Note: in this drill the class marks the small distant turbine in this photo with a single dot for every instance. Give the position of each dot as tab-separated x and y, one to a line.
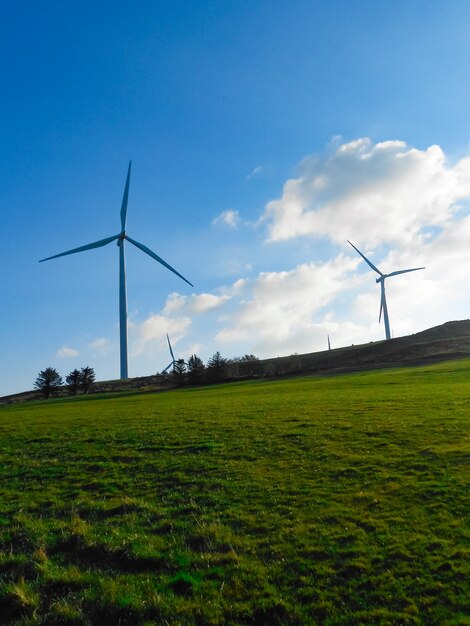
121	238
173	360
381	280
329	344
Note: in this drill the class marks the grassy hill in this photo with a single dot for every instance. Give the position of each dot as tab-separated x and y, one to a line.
447	341
313	500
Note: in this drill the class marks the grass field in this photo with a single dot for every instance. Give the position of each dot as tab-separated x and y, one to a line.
334	501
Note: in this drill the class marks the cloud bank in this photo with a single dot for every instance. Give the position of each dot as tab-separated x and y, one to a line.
402	206
383	193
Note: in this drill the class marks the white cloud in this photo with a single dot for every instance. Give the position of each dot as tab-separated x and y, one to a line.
155	328
175	319
193	348
257	170
100	345
371	194
278	310
65	353
197	303
411	203
229	218
206	301
175	302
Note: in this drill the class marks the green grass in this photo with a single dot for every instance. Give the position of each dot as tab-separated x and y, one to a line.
341	500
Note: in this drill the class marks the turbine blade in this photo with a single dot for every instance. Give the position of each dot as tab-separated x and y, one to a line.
157	258
414	269
366	259
171	351
89	246
381	305
125	198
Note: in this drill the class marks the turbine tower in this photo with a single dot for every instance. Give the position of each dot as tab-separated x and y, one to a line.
121	238
381	280
173	360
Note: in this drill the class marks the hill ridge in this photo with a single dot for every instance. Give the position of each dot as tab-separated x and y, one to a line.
447	341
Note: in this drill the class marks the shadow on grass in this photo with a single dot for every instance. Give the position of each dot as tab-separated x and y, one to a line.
74	550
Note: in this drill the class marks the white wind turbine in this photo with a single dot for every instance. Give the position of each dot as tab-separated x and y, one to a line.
381	280
121	237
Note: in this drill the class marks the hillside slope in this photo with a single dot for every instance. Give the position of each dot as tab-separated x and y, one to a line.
445	342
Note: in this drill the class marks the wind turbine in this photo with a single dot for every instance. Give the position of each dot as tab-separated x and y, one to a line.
173	360
121	238
381	280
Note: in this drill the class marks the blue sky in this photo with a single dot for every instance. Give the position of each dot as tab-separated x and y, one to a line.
263	135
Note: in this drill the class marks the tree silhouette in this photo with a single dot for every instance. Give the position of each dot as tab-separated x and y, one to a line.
48	381
179	372
216	368
248	358
87	378
72	381
195	370
251	365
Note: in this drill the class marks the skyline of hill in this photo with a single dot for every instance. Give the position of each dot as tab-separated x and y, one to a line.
447	341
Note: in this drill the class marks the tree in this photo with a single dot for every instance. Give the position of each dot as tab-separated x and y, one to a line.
195	369
87	378
216	368
179	372
251	365
48	381
72	381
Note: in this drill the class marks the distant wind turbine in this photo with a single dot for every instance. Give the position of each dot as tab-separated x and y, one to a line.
173	360
120	238
381	280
